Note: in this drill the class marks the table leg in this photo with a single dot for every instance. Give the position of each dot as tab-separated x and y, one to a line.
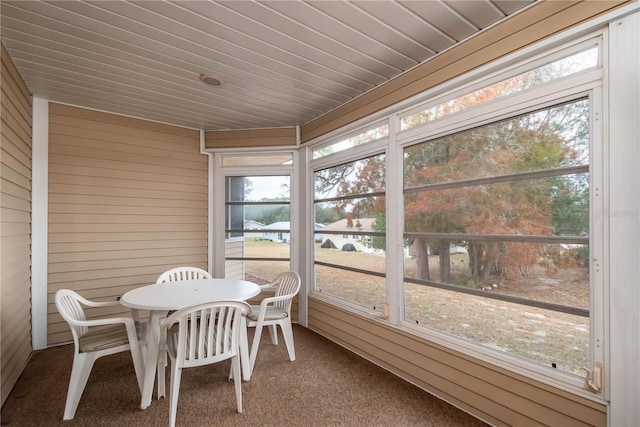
150	366
244	351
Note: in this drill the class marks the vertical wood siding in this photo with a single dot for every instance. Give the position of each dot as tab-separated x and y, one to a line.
127	201
15	224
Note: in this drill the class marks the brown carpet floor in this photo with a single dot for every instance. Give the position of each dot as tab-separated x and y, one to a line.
325	386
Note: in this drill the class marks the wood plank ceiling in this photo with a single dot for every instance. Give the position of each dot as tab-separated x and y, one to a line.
282	63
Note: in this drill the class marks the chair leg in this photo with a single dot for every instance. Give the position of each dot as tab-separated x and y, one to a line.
254	346
162	365
273	331
82	365
287	334
174	389
237	380
138	364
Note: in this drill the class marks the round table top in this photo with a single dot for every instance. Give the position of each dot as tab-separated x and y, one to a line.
185	293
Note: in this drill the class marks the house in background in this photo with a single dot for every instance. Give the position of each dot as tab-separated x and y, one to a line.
102	192
345	227
253	225
279	233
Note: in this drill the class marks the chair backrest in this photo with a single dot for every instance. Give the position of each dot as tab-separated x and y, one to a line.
69	307
183	273
287	284
207	333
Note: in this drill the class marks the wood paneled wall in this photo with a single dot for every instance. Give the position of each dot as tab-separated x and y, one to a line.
127	201
253	138
15	224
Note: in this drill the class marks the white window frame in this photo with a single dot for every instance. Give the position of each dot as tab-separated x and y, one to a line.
589	82
596	250
220	173
371	148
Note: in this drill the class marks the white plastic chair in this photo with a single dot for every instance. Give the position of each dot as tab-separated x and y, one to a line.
174	275
183	273
274	311
93	339
207	333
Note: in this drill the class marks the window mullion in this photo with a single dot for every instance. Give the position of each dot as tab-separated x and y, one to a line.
395	242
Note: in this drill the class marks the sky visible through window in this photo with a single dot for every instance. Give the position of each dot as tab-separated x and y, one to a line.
267	187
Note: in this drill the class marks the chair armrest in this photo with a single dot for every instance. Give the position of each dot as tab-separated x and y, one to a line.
103	322
129	324
90	303
270	300
95	304
268	287
265	302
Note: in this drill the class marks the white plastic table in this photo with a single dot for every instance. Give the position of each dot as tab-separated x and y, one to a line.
161	298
